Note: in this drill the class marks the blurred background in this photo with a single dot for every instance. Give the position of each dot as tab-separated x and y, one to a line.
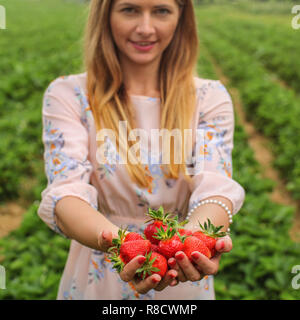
252	47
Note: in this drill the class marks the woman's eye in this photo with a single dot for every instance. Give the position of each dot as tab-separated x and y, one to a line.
126	9
161	11
166	11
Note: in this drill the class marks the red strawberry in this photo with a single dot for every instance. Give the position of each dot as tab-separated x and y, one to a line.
169	247
194	244
133	236
131	249
185	232
160	220
155	263
169	242
154	247
151	229
114	251
209	234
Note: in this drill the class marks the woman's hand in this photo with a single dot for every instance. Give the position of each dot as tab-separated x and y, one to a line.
128	273
152	282
203	266
105	240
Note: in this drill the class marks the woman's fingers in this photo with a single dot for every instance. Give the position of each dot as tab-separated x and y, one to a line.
153	282
207	266
190	272
143	286
224	244
129	274
129	270
166	280
174	283
105	240
174	265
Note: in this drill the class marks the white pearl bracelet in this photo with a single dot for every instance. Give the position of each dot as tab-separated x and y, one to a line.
198	204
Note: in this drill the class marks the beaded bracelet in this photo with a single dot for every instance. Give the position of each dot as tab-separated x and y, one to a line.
198	204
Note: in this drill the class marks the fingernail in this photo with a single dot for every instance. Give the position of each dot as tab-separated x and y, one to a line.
180	256
141	260
104	235
195	255
222	245
173	283
172	275
154	280
172	263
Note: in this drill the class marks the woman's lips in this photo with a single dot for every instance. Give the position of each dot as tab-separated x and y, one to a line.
143	48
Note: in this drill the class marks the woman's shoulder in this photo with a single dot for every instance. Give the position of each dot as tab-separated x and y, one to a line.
69	91
212	88
207	82
65	84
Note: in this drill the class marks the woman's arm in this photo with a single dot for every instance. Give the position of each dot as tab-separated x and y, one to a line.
215	213
218	217
79	221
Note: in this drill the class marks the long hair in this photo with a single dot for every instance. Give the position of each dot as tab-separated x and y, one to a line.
106	92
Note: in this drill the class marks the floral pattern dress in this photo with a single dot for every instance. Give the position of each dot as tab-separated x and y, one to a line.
72	169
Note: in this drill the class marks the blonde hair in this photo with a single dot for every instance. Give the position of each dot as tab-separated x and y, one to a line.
106	93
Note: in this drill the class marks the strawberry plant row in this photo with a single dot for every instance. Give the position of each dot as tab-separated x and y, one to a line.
272	108
275	46
34	51
260	231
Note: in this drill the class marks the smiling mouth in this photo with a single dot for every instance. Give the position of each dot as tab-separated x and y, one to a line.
148	43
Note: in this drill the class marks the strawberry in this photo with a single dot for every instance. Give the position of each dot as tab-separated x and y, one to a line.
123	251
209	234
133	236
114	251
154	247
131	249
185	232
160	220
154	263
151	229
194	244
117	242
169	243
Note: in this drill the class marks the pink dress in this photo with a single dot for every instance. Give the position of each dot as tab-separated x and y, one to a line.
71	167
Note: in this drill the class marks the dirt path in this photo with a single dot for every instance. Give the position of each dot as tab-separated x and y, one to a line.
262	152
11	215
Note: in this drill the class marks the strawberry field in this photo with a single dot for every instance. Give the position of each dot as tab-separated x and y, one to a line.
257	51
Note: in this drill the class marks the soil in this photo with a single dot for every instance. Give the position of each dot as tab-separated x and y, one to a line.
11	215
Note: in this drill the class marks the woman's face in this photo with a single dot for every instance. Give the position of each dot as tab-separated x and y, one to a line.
135	21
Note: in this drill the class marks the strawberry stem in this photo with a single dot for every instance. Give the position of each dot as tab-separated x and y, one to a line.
210	230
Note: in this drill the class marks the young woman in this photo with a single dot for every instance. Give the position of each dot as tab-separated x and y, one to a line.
139	67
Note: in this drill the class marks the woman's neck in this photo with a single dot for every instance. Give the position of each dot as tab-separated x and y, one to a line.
141	79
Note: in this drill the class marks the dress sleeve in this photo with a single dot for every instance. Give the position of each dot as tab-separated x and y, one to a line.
66	140
216	119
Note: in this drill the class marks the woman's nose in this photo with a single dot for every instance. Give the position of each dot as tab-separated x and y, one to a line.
145	25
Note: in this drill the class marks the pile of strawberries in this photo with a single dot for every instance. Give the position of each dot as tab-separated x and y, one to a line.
162	238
